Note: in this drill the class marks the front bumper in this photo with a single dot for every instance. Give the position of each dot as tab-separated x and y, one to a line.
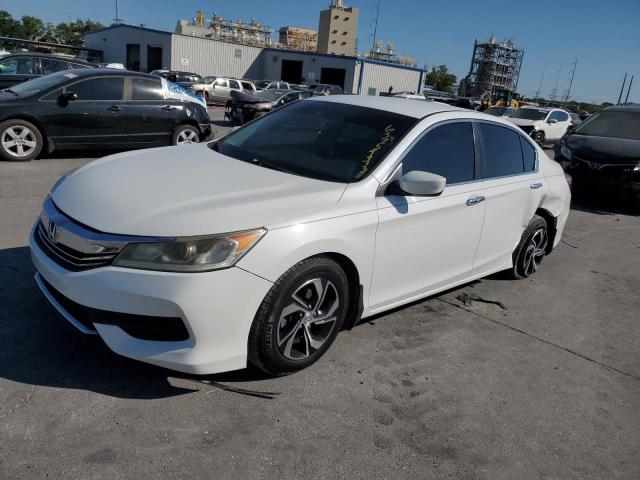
616	179
217	309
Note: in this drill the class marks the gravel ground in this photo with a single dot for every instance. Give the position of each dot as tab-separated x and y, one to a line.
548	388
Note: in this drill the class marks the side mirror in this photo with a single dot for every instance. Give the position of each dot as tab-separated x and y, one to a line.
65	98
422	184
552	120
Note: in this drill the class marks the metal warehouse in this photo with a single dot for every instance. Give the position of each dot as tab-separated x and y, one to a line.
144	49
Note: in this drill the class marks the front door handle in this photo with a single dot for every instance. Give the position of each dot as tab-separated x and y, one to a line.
114	108
535	186
475	200
168	108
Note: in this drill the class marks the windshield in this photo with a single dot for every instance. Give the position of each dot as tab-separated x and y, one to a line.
322	140
41	83
529	114
613	124
497	111
208	79
262	83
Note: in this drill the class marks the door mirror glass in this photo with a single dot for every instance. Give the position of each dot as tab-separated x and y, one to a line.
422	184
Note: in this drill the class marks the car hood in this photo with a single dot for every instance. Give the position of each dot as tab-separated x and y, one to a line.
522	122
604	149
184	191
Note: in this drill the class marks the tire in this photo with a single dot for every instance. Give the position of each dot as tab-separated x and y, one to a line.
539	138
20	141
283	332
531	249
206	97
185	134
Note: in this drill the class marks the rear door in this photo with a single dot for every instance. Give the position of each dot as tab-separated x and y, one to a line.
16	70
150	117
95	118
512	186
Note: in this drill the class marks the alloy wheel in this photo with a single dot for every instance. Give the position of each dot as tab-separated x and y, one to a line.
307	320
187	136
18	141
539	138
534	251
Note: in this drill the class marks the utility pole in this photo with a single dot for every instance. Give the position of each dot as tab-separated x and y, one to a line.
117	20
555	88
537	94
622	89
628	90
374	21
573	72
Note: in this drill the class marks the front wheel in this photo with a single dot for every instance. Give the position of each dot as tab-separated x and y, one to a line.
531	250
539	138
20	141
300	317
185	134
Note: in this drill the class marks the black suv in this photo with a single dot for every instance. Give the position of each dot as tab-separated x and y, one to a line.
20	67
97	108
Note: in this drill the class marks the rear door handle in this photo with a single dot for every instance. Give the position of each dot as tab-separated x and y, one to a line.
475	200
535	186
114	108
168	108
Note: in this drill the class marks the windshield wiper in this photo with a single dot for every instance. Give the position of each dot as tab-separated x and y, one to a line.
260	163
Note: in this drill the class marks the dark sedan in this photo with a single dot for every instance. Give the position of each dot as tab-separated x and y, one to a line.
21	67
243	108
603	152
97	108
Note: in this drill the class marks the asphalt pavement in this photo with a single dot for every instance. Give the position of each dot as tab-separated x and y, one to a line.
546	388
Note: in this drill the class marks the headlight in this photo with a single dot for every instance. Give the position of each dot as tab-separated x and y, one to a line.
564	150
190	254
637	167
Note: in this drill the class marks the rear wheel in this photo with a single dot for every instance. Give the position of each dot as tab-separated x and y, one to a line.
300	317
531	250
185	134
20	141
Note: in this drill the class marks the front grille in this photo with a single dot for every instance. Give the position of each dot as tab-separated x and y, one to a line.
67	257
143	327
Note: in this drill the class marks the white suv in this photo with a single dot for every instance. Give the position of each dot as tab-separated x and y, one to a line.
218	89
544	125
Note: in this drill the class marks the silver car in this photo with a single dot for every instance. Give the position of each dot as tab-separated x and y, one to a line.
218	89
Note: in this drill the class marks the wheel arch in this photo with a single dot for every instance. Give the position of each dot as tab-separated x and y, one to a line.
552	226
46	147
356	298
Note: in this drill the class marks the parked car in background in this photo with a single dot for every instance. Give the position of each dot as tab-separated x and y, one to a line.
262	246
97	108
544	125
326	89
409	95
271	85
21	67
218	89
499	111
184	79
575	119
243	108
603	152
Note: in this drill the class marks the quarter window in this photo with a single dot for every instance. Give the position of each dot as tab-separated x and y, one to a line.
146	89
106	88
502	151
447	151
529	155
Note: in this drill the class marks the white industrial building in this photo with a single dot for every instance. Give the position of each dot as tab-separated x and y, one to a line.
144	49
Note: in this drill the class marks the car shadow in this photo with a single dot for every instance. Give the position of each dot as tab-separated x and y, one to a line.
603	204
39	348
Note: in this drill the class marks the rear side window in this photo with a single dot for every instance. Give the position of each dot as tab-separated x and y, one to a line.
528	154
146	89
502	151
447	151
107	88
51	65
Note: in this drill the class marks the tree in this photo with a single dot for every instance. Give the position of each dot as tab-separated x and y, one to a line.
9	27
71	33
31	28
440	79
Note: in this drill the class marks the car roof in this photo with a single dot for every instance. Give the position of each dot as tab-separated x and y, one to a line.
90	72
48	55
402	106
624	108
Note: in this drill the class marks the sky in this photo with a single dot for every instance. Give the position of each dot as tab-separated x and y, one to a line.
603	36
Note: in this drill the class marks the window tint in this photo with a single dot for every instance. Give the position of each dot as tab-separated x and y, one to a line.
559	116
18	66
233	84
612	124
502	150
50	65
146	89
529	155
446	150
108	88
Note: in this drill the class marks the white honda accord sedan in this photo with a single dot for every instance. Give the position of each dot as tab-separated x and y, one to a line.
260	247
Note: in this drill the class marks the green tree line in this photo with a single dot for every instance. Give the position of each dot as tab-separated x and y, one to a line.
32	28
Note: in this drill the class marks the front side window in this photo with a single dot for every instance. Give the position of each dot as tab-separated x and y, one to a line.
146	89
18	66
322	140
105	88
502	151
234	85
220	82
51	65
559	116
446	150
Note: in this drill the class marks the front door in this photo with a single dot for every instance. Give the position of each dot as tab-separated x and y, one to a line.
94	119
427	243
556	130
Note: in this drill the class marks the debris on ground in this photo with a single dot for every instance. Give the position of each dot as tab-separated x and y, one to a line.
468	298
